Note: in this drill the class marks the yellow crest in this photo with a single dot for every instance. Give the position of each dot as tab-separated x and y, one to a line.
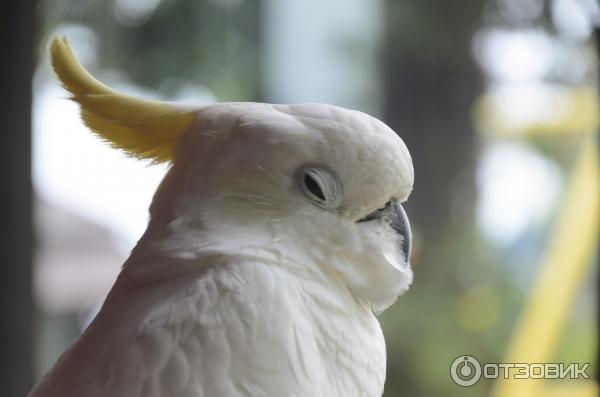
144	129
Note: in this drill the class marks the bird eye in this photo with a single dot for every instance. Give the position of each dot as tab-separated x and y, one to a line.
321	186
313	186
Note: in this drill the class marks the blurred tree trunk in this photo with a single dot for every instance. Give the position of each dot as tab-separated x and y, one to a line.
16	30
430	84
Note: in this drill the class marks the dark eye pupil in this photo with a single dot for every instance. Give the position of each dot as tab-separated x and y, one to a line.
313	186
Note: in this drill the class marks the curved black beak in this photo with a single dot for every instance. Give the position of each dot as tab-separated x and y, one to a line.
396	217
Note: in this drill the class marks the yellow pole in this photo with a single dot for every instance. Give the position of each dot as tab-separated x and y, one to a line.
565	263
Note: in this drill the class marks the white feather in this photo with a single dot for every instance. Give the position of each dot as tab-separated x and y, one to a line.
242	287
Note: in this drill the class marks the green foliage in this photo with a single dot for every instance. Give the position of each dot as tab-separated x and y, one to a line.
204	42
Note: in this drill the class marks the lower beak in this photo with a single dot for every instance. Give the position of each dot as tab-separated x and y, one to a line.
395	216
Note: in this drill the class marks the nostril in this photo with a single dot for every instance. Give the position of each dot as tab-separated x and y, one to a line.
378	213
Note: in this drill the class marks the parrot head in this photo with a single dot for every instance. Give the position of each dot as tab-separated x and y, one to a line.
308	184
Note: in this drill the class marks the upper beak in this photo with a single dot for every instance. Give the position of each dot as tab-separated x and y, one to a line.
395	216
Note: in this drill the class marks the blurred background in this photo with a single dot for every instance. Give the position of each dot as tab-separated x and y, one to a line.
496	99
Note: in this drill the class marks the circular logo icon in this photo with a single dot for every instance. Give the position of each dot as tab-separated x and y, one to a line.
465	370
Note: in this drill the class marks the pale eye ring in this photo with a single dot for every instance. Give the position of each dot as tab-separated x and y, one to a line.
321	186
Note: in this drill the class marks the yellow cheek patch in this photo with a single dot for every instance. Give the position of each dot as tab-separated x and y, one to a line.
143	129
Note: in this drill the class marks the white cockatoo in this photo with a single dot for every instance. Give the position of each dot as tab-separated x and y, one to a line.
274	239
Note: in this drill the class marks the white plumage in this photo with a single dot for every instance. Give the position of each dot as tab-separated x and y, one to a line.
246	283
